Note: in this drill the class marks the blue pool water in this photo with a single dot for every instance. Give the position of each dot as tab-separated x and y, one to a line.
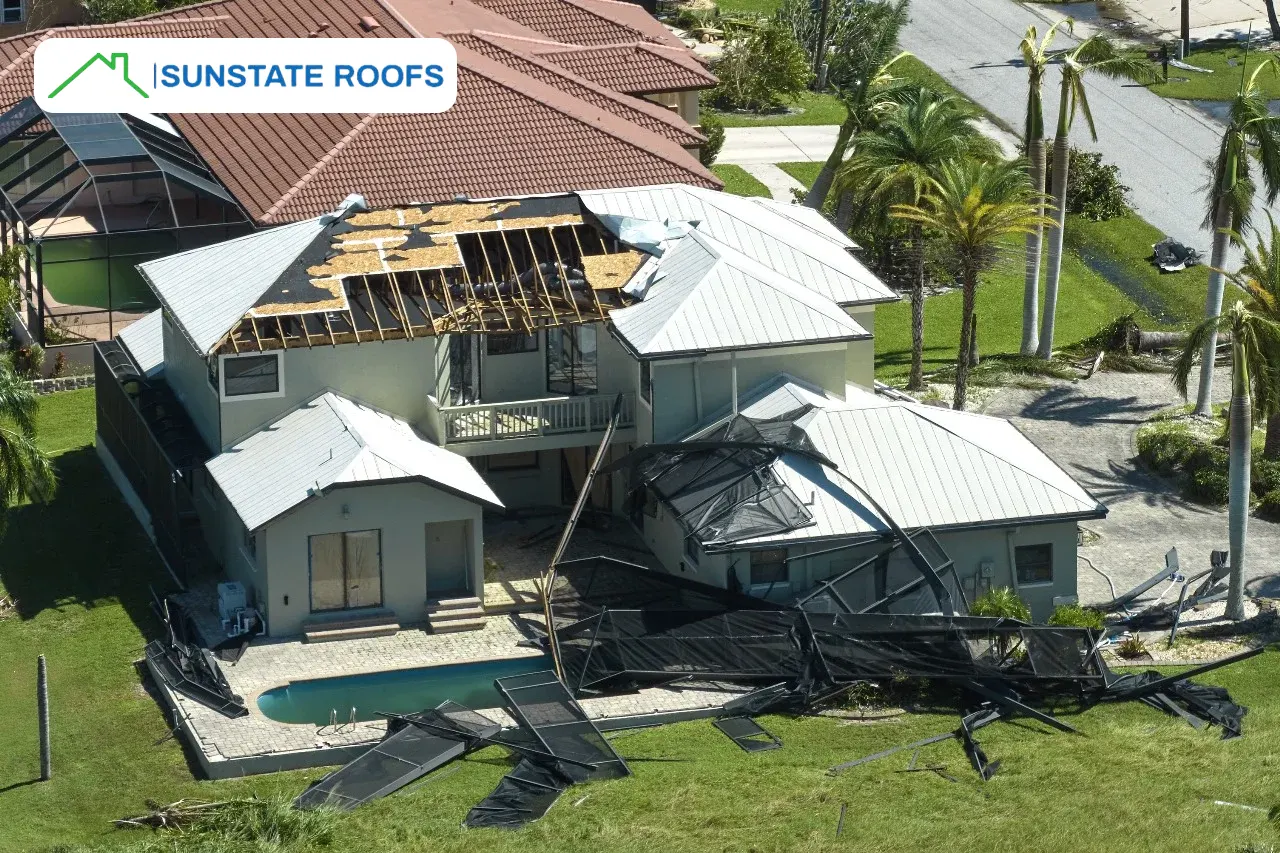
400	692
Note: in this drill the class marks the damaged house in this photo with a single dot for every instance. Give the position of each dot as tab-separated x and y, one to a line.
335	420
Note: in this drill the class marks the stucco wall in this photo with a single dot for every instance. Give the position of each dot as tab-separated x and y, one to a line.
523	488
188	375
860	359
400	510
395	376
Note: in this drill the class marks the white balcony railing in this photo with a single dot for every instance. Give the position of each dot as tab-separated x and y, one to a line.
531	418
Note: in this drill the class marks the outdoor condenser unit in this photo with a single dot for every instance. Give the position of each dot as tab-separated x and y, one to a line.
231	598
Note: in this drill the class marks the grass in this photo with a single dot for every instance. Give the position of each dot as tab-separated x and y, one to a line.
739	182
809	108
805	173
1223	83
79	569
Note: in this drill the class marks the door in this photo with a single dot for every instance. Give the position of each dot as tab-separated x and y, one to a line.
346	570
448	559
571	360
574	462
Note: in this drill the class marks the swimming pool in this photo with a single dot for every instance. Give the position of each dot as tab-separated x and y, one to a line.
399	692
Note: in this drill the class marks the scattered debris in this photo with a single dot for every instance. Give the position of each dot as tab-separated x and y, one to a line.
177	815
192	671
748	734
1172	256
1240	806
8	606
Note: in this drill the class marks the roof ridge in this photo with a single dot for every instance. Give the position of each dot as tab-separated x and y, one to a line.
513	37
916	411
640	105
780	283
617	23
315	170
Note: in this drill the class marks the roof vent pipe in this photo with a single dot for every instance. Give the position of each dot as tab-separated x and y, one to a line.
324	25
369	23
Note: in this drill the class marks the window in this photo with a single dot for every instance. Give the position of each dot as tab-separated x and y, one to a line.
508	344
646	382
213	373
346	570
251	376
571	360
250	543
769	567
12	10
1034	563
513	461
692	550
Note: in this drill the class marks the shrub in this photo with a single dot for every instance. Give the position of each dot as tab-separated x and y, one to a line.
1209	485
1166	447
1266	475
1269	506
713	130
113	11
1094	190
1131	647
28	360
760	71
1003	602
1075	616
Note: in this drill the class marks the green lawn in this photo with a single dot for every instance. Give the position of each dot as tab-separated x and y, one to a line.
805	173
79	569
811	108
1226	63
739	182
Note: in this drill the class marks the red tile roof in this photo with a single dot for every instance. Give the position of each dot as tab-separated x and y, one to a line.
647	114
637	69
520	126
578	22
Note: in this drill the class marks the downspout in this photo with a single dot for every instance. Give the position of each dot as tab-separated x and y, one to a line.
733	379
697	390
1013	563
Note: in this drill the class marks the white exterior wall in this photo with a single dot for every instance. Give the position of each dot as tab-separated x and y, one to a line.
860	360
187	374
401	511
394	376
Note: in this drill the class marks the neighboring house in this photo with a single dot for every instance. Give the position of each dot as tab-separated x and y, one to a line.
21	16
355	391
553	96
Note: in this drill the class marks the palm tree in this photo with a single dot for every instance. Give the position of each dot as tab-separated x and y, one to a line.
1255	387
973	205
864	47
1252	134
1259	278
1099	55
25	472
1036	56
898	163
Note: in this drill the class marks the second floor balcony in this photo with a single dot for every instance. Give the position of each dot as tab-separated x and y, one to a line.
518	425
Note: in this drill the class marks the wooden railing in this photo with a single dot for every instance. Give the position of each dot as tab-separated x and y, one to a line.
531	418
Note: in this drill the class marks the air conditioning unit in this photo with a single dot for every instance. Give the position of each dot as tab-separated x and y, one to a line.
231	598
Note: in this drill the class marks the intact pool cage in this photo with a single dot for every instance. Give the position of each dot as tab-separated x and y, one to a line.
89	196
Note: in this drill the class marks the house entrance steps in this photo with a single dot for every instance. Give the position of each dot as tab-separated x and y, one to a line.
455	614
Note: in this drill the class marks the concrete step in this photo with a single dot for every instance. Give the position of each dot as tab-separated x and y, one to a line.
349	631
448	626
451	606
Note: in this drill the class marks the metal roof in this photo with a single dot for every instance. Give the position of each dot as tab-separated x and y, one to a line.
926	467
330	441
707	297
206	291
144	339
800	250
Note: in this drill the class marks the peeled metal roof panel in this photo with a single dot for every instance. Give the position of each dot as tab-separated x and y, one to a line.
333	440
144	339
208	290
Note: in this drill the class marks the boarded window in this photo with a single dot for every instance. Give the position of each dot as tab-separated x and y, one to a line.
250	374
1034	563
346	570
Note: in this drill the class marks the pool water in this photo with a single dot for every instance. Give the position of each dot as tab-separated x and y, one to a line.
398	692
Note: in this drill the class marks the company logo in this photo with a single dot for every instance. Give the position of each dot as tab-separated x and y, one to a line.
246	75
118	61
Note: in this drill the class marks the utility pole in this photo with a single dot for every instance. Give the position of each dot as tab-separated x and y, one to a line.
42	701
820	50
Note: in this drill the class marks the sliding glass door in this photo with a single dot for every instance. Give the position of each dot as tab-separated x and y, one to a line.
346	570
571	360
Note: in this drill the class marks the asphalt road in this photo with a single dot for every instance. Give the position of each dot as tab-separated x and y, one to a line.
1161	146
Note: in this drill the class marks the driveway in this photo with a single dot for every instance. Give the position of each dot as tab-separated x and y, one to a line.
744	146
1088	428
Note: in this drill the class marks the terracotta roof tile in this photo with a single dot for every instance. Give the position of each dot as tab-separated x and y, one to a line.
572	22
647	114
637	69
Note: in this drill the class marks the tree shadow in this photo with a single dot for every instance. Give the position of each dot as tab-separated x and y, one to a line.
84	548
1119	482
1066	404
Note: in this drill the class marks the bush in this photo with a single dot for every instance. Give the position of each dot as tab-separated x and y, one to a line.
1266	475
762	70
113	11
1131	647
1166	448
1075	616
28	360
713	130
1094	190
1003	602
1209	485
1269	506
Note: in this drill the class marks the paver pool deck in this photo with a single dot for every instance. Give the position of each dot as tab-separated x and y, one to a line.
257	744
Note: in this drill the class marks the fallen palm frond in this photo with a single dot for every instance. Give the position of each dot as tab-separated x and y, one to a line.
1012	370
179	815
271	821
8	606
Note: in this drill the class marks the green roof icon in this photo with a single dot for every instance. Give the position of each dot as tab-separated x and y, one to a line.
120	60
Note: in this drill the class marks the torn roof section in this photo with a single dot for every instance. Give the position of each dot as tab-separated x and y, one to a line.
334	441
794	245
517	265
925	467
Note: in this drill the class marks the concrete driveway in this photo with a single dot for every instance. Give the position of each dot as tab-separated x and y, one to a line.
744	146
1088	428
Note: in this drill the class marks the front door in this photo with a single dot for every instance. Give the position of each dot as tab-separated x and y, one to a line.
448	559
